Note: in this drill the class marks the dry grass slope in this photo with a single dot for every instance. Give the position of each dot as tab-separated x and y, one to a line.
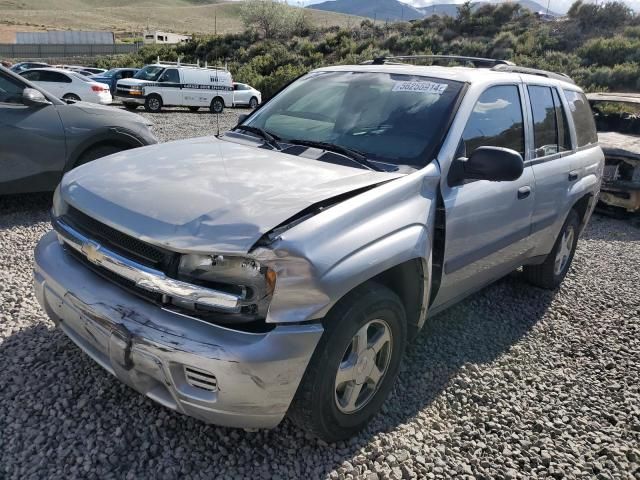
188	16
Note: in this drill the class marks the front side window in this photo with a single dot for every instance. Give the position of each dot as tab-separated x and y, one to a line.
171	75
582	118
545	128
496	121
31	75
150	72
392	118
10	90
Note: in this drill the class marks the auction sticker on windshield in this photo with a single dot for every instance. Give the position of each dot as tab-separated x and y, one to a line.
425	86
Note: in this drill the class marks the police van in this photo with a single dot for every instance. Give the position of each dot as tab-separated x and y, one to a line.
177	84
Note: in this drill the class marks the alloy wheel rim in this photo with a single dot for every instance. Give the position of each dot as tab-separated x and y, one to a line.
564	252
363	366
154	104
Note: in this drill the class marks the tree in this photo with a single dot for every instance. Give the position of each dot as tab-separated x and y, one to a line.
270	17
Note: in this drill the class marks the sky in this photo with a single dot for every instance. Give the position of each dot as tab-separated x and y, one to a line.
555	5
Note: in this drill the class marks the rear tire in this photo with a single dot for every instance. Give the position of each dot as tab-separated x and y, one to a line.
153	103
217	105
131	106
551	272
72	97
348	379
193	109
98	151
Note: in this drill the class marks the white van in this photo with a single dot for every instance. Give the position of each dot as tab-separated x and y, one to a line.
177	84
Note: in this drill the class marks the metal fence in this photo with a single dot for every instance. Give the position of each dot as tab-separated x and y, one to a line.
42	51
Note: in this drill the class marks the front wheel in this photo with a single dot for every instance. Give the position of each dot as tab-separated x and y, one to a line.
217	105
354	366
253	103
153	104
552	271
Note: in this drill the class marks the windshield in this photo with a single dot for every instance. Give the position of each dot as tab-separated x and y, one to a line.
150	72
397	119
109	73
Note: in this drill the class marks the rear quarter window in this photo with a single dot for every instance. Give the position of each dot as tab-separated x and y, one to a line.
582	118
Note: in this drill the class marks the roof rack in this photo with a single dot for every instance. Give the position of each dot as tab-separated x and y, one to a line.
533	71
180	64
477	62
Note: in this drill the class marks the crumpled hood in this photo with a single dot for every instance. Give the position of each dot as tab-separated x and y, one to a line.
205	194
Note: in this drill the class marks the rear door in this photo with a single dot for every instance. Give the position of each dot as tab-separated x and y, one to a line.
488	223
57	83
550	159
241	94
32	142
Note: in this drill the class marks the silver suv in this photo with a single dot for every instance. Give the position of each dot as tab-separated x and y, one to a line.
282	267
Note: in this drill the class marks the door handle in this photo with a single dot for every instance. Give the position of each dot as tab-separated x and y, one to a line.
524	192
573	176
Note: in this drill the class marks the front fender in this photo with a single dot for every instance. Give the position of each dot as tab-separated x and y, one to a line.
322	259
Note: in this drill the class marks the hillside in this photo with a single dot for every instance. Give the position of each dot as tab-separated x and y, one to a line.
181	16
451	10
391	10
394	10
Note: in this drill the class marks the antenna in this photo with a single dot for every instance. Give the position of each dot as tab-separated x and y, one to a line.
218	123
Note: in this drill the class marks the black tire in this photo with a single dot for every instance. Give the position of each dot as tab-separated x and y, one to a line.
253	103
98	151
153	103
217	105
547	275
194	109
315	407
131	106
71	96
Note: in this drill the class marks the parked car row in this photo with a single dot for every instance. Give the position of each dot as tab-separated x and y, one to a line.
155	86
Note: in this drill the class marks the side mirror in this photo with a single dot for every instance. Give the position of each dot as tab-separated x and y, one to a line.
242	117
495	164
34	98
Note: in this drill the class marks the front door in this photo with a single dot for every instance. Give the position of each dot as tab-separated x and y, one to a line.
487	223
32	142
171	87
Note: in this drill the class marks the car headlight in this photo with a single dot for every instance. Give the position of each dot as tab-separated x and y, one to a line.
252	282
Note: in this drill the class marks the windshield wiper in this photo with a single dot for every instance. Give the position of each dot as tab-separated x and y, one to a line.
269	139
347	152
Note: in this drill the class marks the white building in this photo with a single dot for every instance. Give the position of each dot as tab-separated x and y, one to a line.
165	37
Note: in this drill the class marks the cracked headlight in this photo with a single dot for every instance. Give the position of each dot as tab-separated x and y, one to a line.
252	282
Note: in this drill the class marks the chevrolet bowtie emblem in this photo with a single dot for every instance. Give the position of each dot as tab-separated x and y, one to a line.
91	250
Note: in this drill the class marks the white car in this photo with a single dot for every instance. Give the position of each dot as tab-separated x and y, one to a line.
69	85
244	94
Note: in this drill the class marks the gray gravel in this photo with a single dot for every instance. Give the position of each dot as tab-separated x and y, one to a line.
515	382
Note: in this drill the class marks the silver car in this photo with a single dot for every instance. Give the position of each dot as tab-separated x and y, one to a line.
281	268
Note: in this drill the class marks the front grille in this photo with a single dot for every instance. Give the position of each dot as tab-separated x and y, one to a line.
200	379
116	279
137	250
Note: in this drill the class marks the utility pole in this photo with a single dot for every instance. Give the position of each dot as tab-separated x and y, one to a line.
215	23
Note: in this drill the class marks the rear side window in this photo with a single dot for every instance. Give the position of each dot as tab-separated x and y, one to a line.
10	90
545	128
582	118
55	77
564	136
496	121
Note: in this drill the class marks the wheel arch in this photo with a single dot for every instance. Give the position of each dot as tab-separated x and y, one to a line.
114	136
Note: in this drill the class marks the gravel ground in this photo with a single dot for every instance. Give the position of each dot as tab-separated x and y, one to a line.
515	382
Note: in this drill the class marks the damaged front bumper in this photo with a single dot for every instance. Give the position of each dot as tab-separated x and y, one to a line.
219	375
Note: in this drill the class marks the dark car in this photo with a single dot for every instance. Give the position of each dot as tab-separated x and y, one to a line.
42	137
22	66
112	76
